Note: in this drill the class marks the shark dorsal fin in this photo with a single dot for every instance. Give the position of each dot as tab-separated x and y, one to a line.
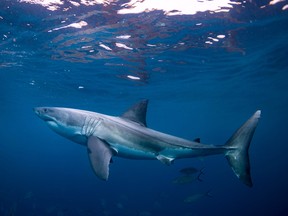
137	113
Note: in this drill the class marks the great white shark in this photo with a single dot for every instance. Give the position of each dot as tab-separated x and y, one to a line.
128	136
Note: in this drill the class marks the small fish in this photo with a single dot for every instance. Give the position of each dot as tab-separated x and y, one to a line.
186	179
189	176
196	197
190	170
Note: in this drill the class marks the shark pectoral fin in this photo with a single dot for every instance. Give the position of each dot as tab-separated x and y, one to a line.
100	156
165	160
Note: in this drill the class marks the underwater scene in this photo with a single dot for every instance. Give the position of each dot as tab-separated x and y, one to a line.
143	107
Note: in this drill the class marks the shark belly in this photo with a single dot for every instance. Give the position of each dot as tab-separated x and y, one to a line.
132	153
180	152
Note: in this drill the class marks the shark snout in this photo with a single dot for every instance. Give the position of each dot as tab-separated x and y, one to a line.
38	111
42	112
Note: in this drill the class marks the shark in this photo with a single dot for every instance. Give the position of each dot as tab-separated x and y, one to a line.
128	136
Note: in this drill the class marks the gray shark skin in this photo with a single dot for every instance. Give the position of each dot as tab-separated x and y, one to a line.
128	136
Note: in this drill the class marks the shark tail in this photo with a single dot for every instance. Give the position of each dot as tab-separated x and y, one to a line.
238	147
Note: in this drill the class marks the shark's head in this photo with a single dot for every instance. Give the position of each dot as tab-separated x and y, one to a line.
64	121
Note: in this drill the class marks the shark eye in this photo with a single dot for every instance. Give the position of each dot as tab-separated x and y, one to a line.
45	110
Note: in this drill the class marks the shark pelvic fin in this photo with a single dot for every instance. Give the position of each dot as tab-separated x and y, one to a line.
165	160
100	156
137	113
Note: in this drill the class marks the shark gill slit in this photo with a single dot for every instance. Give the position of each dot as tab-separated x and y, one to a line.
90	124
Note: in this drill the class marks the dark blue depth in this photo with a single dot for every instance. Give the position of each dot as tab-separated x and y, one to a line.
199	84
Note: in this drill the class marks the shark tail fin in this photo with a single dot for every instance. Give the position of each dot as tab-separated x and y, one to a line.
238	145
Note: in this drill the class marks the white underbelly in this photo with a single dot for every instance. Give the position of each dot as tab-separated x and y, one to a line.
128	152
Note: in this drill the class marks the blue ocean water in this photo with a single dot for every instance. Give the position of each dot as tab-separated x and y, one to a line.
205	66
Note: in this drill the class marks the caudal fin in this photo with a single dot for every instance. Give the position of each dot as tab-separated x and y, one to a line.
239	143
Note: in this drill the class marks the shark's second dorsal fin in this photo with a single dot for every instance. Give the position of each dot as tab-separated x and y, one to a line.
137	113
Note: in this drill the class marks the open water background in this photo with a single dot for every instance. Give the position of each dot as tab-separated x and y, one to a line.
199	84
